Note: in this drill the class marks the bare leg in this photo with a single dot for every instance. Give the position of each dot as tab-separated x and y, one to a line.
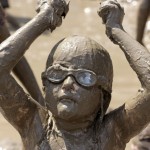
143	13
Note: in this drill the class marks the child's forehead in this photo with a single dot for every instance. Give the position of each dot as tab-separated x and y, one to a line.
73	54
65	64
79	58
74	62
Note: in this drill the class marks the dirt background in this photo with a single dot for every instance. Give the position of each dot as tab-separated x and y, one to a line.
82	19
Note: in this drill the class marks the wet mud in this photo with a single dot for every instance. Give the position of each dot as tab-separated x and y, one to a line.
82	19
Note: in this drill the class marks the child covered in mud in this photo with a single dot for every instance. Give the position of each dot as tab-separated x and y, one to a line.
77	84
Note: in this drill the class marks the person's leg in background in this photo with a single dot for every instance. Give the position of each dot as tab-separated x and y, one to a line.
143	14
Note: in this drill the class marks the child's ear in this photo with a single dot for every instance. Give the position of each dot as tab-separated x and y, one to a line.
43	77
43	88
107	99
45	83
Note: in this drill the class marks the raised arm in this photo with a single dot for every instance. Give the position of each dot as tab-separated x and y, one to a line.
49	17
22	69
136	112
15	105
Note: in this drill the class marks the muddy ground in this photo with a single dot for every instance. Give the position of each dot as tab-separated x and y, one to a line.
82	19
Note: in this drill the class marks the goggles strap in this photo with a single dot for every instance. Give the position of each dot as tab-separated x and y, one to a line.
99	119
39	106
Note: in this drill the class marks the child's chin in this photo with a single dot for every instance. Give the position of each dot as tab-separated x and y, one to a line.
66	110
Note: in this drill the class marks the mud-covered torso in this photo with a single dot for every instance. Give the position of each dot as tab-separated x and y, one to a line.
72	141
103	138
83	142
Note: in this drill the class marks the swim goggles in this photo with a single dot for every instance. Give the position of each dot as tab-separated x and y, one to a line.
58	73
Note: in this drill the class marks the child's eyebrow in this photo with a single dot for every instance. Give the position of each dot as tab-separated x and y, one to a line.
63	64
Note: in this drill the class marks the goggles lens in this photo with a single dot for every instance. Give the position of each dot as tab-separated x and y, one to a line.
56	75
86	78
82	76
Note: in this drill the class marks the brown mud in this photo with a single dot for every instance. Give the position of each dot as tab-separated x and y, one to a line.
82	19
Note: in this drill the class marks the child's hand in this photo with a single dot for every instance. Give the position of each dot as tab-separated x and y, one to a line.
56	9
111	13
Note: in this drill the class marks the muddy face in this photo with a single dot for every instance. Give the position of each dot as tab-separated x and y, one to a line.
69	100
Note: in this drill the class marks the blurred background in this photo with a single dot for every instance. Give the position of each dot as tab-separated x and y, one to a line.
82	19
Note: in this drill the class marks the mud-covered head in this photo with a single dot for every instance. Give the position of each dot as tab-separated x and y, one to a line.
85	53
91	55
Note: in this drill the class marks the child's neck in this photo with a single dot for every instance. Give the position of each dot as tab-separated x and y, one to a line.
74	125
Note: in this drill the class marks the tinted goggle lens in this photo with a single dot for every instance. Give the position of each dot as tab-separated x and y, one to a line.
83	77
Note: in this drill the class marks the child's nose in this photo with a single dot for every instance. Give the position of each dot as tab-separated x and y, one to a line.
68	83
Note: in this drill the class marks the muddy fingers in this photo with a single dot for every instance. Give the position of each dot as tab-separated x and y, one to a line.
111	13
57	10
